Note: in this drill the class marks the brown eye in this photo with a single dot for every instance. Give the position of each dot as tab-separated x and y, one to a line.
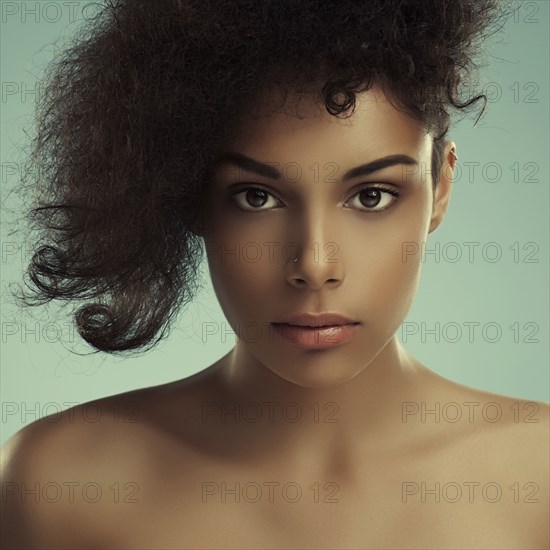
370	197
376	199
256	197
251	198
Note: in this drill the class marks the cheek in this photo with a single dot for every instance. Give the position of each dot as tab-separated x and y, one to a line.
246	256
385	272
245	273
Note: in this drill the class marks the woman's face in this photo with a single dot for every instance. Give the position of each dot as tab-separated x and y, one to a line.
354	246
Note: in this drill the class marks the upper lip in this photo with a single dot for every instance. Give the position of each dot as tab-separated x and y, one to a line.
316	319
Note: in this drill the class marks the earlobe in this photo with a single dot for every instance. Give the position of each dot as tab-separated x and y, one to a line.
444	187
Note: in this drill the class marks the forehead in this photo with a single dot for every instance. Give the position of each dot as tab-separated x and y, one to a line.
302	127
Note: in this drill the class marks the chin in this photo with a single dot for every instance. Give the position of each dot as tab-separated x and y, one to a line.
317	375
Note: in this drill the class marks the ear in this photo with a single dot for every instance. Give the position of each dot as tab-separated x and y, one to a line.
444	186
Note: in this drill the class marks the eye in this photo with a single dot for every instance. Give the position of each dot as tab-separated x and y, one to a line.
253	198
374	199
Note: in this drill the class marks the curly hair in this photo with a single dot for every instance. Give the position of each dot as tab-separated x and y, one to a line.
136	110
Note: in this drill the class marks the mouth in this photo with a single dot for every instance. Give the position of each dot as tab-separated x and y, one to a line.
316	337
316	320
316	327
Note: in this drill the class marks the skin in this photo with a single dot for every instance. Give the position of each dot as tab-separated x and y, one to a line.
356	444
358	269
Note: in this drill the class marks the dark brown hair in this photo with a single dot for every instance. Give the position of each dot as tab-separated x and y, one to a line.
135	111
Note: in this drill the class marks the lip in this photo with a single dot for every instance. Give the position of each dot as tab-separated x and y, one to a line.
316	320
316	337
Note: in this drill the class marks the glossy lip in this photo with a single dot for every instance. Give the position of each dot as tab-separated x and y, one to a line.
316	337
316	320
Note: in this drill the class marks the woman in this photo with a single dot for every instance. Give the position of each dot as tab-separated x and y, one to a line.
304	144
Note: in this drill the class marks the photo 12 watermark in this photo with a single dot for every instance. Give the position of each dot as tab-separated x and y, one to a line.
452	492
47	12
53	492
270	412
70	412
453	412
251	492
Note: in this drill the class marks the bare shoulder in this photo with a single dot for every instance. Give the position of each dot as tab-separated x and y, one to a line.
51	469
88	464
511	426
519	452
522	422
109	428
503	443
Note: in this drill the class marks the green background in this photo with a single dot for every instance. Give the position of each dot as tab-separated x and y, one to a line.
500	197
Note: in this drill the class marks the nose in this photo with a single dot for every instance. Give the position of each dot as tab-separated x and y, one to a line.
315	261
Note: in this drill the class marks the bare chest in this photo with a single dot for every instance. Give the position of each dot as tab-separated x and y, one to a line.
219	509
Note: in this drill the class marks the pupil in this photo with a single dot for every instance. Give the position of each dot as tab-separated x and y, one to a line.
253	196
373	197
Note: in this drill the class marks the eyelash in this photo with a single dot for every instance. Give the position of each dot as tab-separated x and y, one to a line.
390	190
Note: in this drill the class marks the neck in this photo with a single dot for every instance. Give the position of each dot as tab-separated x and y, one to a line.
301	425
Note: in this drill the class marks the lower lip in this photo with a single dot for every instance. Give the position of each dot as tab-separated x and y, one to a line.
316	338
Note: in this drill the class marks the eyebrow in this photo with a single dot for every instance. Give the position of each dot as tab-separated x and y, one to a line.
251	165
